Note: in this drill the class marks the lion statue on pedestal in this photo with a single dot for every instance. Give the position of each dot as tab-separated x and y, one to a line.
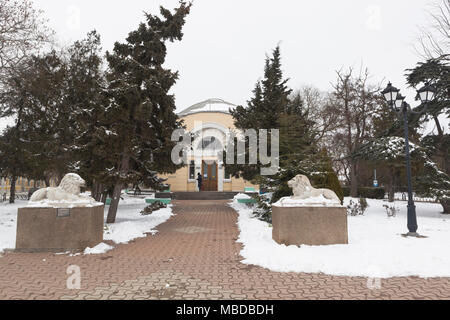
302	188
68	191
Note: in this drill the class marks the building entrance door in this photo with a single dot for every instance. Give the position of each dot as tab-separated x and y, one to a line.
209	174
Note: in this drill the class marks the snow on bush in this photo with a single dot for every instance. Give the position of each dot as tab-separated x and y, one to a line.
241	196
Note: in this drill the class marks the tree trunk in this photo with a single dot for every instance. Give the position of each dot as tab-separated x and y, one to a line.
12	191
391	193
100	192
112	212
353	181
103	197
391	189
446	205
96	191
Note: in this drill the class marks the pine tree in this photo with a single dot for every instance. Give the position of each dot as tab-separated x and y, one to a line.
13	158
270	100
58	98
326	177
431	181
85	94
437	72
434	183
32	95
274	107
389	154
141	113
246	117
48	116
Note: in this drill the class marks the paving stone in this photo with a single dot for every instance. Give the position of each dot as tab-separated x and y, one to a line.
193	256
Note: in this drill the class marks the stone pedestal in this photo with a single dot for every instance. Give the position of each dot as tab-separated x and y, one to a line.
59	230
312	226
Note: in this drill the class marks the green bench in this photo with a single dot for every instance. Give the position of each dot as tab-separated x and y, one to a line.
247	201
165	201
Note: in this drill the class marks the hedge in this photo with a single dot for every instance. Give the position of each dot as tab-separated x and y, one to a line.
366	192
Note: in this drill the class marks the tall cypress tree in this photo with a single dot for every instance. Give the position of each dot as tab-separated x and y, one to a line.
141	113
274	107
85	94
270	100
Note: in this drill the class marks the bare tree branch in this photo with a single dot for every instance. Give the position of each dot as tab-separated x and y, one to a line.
23	31
434	39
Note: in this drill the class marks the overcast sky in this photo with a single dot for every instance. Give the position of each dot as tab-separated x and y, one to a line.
222	53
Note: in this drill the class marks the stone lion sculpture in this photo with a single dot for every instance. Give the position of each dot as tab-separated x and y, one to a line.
303	189
68	191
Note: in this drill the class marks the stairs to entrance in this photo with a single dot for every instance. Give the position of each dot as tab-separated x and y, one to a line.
207	195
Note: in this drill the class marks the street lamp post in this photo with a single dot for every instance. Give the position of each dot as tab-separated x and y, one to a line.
398	104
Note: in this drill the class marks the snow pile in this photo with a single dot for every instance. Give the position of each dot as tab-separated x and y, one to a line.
98	249
319	201
131	225
241	196
376	247
84	203
129	200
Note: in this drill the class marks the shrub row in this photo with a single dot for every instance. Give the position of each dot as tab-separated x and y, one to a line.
366	192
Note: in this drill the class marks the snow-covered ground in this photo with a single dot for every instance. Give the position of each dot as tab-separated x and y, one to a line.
130	224
376	247
8	223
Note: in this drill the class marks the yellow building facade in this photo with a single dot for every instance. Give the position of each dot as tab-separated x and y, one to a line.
22	185
209	121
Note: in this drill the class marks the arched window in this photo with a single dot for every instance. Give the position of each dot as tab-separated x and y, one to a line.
210	143
192	170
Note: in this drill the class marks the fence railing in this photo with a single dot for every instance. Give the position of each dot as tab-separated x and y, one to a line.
19	196
403	196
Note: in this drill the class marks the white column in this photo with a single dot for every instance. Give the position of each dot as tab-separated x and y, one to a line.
220	176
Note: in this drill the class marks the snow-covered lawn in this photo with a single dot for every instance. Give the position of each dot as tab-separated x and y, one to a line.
376	247
8	223
130	224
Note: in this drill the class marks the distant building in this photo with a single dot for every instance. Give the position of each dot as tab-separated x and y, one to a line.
23	185
210	120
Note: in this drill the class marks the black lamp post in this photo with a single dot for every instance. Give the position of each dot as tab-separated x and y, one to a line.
398	104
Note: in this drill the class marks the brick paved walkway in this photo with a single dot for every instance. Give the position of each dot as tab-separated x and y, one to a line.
194	256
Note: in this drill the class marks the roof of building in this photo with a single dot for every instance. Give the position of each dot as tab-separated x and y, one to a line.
210	105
